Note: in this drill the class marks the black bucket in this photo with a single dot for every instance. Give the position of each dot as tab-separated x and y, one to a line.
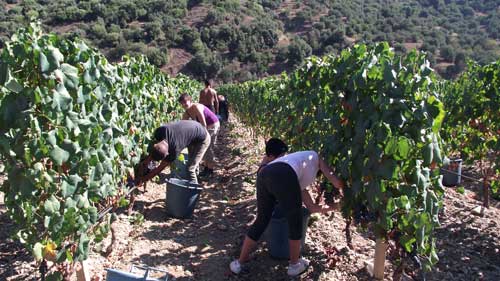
182	197
452	173
277	233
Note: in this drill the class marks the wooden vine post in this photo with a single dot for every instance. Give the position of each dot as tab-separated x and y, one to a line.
486	193
82	271
379	262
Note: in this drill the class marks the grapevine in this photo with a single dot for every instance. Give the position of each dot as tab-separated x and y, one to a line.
71	126
375	117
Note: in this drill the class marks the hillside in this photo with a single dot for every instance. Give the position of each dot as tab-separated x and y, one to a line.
239	40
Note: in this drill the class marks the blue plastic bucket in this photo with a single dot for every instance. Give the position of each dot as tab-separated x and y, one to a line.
277	236
452	179
118	275
182	197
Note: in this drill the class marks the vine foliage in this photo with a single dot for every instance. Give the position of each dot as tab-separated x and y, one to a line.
71	126
376	118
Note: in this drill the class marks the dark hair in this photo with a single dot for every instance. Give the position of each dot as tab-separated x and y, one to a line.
184	97
275	147
159	151
208	83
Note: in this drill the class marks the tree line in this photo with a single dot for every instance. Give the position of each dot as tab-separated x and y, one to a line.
229	40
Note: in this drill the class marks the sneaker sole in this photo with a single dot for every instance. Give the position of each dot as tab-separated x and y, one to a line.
303	271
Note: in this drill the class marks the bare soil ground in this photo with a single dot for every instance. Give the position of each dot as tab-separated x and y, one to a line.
196	15
177	59
410	46
200	248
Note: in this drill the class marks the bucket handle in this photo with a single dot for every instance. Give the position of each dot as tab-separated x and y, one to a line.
147	269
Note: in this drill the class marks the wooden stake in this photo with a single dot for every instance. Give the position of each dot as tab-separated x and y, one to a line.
379	263
486	193
82	271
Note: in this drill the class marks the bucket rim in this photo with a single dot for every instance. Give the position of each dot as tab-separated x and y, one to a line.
188	185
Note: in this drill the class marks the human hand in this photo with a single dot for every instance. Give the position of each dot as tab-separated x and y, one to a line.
138	181
340	185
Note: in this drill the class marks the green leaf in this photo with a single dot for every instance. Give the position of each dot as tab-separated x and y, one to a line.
407	242
59	155
51	205
44	63
69	203
83	247
37	251
391	206
71	74
54	276
403	202
55	57
403	147
387	169
61	98
392	146
427	151
69	256
67	189
14	86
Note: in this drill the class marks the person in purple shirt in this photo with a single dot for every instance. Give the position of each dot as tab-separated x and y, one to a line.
202	114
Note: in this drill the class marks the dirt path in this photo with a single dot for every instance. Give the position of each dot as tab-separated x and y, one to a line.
201	248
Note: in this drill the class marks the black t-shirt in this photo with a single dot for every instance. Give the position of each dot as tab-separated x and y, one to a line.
179	135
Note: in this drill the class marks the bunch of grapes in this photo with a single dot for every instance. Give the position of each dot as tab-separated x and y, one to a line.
329	192
362	215
332	256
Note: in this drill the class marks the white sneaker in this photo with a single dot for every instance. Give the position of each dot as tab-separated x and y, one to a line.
298	268
235	267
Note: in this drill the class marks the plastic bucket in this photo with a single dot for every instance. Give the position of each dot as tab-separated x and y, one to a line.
452	179
182	197
277	236
118	275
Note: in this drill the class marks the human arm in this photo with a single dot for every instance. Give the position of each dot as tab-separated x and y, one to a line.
313	207
328	172
216	101
153	173
185	115
199	114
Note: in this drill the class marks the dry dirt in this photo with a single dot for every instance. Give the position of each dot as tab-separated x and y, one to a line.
201	248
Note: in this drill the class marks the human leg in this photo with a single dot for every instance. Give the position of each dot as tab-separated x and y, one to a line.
196	153
288	194
265	206
209	157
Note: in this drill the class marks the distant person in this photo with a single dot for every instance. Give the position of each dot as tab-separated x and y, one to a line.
200	113
170	139
284	181
223	108
208	97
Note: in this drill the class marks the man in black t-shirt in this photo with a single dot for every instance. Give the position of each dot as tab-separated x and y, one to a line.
171	139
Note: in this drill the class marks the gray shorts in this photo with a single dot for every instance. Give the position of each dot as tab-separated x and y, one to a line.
214	131
195	155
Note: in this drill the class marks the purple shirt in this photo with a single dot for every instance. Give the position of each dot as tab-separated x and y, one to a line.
210	117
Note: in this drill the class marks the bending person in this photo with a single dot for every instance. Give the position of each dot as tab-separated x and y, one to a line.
285	180
203	115
223	108
171	139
